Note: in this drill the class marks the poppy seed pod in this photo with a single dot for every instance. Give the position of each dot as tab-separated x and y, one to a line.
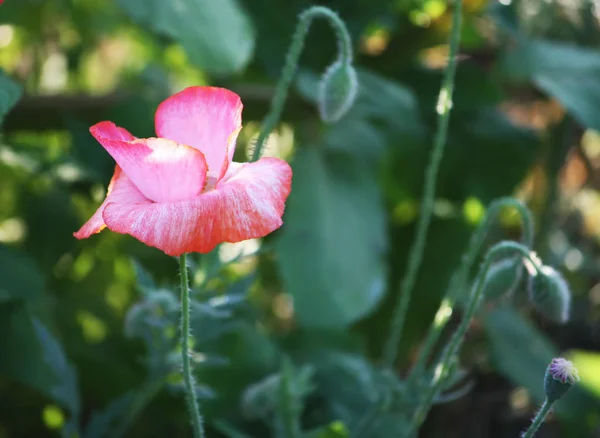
502	278
550	295
560	376
337	91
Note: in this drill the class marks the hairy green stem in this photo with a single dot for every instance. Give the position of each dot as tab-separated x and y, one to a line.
443	108
291	62
460	278
188	378
539	419
498	250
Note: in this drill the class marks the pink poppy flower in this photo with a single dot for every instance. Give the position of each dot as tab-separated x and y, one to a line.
181	192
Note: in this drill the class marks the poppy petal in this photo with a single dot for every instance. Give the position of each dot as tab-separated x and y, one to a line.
120	190
248	203
207	118
163	170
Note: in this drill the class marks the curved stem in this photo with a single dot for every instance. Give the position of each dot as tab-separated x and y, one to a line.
188	378
539	419
459	279
291	62
443	107
498	250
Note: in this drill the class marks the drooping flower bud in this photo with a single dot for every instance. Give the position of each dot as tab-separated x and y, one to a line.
560	376
337	91
502	278
550	295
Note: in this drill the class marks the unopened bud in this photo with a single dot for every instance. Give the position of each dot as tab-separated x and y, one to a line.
337	91
550	295
502	278
560	376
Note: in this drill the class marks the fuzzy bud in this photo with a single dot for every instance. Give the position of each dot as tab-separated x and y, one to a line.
560	376
502	278
550	295
337	91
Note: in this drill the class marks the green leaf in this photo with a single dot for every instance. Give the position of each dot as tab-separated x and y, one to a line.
522	353
217	36
20	278
66	391
10	93
568	73
331	249
34	357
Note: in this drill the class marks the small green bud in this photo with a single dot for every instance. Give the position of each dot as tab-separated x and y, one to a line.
560	376
503	277
337	91
550	295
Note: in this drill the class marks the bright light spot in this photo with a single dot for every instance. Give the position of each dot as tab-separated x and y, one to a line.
94	329
573	259
519	399
590	143
439	371
435	8
443	208
229	252
473	210
594	294
7	32
375	41
419	18
505	2
558	242
405	212
283	306
587	364
68	172
54	75
12	230
53	417
444	101
443	314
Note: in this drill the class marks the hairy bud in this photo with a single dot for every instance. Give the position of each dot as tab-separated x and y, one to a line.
503	277
550	295
337	91
560	376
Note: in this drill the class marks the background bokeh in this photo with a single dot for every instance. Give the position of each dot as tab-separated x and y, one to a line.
88	328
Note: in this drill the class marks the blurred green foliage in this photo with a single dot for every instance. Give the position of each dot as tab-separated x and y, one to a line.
88	342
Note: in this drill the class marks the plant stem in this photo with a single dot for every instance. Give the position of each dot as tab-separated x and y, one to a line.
453	346
460	278
291	62
539	419
188	378
443	108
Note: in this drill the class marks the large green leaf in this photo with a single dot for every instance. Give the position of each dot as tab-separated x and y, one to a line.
217	36
568	73
10	93
31	355
20	278
522	353
332	246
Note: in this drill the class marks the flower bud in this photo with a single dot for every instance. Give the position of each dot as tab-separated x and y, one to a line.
337	91
550	295
560	376
502	278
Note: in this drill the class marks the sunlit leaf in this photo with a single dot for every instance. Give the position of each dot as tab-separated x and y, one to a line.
217	36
